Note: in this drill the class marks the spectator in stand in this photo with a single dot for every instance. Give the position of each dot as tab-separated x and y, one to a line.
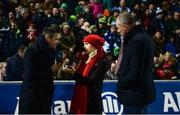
176	22
86	26
63	73
47	5
79	9
77	28
138	8
67	42
102	26
4	35
32	34
159	41
2	70
93	29
55	18
38	17
113	16
167	67
123	7
11	16
23	22
80	34
170	23
156	66
72	20
177	42
88	15
136	15
170	46
176	29
97	8
15	38
72	4
110	75
151	10
47	13
158	23
112	37
15	68
64	12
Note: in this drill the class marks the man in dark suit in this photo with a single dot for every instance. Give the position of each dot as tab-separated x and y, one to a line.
39	66
135	87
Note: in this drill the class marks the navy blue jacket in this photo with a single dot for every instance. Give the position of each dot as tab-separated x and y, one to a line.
135	85
14	68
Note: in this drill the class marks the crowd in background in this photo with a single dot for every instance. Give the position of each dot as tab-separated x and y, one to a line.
22	21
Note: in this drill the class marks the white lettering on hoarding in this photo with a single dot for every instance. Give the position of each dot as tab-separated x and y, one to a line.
17	107
60	107
170	103
178	98
110	105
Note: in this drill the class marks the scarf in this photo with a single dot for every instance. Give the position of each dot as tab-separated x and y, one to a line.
80	97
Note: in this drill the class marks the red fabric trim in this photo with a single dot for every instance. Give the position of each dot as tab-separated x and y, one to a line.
79	100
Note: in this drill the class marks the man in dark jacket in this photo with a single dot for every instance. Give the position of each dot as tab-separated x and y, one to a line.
135	87
37	88
14	68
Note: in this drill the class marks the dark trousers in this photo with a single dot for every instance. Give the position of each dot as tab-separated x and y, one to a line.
31	103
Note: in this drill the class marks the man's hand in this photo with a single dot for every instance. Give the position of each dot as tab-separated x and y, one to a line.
69	69
55	67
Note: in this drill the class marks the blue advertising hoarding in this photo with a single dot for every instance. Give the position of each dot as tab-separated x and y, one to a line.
167	97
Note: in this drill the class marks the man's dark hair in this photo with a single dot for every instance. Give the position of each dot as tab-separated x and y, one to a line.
51	30
21	47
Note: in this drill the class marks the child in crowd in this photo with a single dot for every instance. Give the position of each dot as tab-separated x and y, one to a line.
165	66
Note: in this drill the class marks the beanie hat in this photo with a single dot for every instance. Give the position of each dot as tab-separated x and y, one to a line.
116	51
73	18
158	11
106	13
92	27
64	6
113	24
103	20
95	40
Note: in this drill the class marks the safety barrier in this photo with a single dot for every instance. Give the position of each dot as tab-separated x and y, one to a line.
167	97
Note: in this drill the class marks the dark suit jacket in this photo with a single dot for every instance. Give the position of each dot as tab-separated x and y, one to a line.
37	87
135	81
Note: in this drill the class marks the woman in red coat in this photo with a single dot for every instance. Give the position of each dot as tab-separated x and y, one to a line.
89	77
